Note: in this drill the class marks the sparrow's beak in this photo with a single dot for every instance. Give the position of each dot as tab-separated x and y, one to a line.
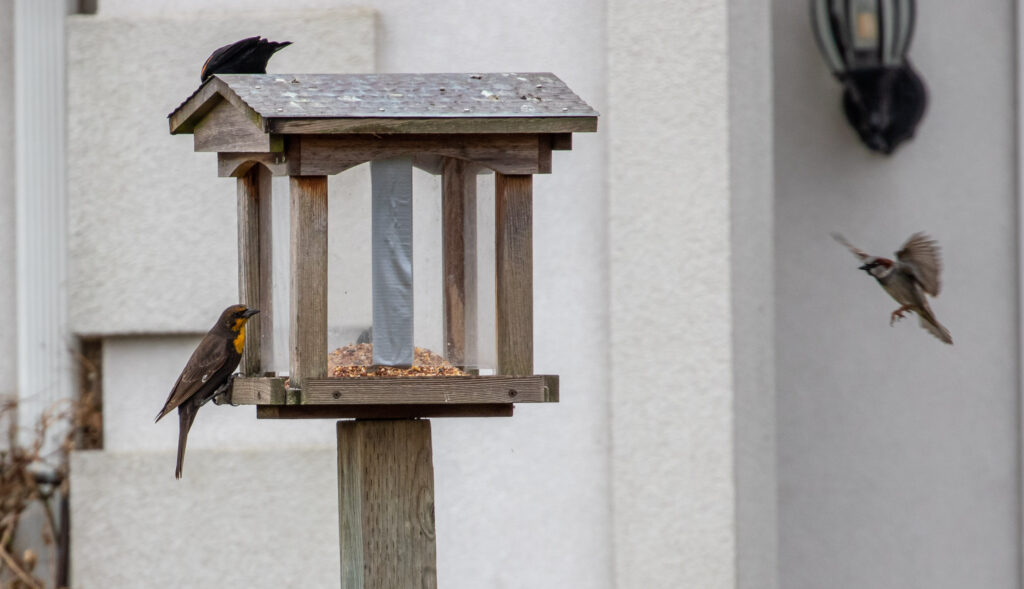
864	268
250	312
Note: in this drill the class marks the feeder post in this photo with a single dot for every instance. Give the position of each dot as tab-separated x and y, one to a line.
308	279
255	268
458	229
386	504
513	248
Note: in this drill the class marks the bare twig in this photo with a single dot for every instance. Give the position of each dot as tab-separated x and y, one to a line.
12	564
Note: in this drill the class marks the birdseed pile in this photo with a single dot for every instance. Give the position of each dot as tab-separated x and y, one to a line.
355	360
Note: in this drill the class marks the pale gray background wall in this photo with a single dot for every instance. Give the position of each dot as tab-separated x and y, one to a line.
8	340
898	455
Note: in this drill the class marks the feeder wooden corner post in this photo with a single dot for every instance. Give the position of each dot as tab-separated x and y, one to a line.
310	126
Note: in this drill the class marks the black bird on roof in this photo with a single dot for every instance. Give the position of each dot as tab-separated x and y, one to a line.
248	56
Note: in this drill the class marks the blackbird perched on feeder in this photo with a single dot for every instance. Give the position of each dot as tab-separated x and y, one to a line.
207	372
248	56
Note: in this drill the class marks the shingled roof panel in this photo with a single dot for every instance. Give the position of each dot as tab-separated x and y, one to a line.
407	95
309	97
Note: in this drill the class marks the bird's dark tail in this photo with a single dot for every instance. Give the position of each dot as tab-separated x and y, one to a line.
186	415
278	45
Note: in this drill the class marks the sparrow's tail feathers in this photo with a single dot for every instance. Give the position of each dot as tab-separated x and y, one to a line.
186	415
929	322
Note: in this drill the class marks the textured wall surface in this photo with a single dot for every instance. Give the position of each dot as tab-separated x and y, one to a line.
669	218
152	246
522	502
899	455
138	373
8	323
230	522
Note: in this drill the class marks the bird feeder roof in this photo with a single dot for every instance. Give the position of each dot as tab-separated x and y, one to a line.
393	103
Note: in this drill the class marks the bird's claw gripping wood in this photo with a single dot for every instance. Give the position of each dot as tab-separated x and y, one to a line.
898	314
222	395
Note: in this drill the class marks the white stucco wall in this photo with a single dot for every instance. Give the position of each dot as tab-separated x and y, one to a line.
8	323
226	524
899	455
539	480
689	214
153	230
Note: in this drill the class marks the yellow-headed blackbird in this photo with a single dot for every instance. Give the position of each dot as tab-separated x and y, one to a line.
207	372
248	56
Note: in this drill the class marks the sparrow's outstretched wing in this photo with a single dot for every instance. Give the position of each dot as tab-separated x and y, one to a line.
920	254
861	254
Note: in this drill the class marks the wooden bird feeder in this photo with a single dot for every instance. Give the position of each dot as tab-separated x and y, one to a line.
308	127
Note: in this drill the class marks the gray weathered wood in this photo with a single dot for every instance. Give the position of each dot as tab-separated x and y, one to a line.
437	125
520	153
514	273
332	154
227	128
386	505
249	266
426	390
190	113
391	241
236	165
308	278
254	268
382	411
258	390
417	99
561	141
266	267
419	390
458	228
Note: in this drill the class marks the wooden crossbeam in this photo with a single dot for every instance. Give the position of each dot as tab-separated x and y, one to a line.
418	390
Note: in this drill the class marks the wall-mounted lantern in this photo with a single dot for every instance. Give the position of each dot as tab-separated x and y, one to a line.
865	44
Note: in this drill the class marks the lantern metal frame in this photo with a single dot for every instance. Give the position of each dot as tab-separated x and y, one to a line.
864	44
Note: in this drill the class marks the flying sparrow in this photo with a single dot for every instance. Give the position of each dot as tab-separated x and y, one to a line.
914	273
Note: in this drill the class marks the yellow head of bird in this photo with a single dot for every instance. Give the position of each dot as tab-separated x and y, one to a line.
234	318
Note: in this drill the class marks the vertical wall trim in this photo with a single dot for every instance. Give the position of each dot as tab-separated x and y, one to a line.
1019	69
752	260
44	360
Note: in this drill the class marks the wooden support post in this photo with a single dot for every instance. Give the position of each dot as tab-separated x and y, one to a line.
386	504
513	248
308	278
255	268
458	228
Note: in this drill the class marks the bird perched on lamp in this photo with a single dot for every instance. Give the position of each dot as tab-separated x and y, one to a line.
248	56
907	279
208	372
